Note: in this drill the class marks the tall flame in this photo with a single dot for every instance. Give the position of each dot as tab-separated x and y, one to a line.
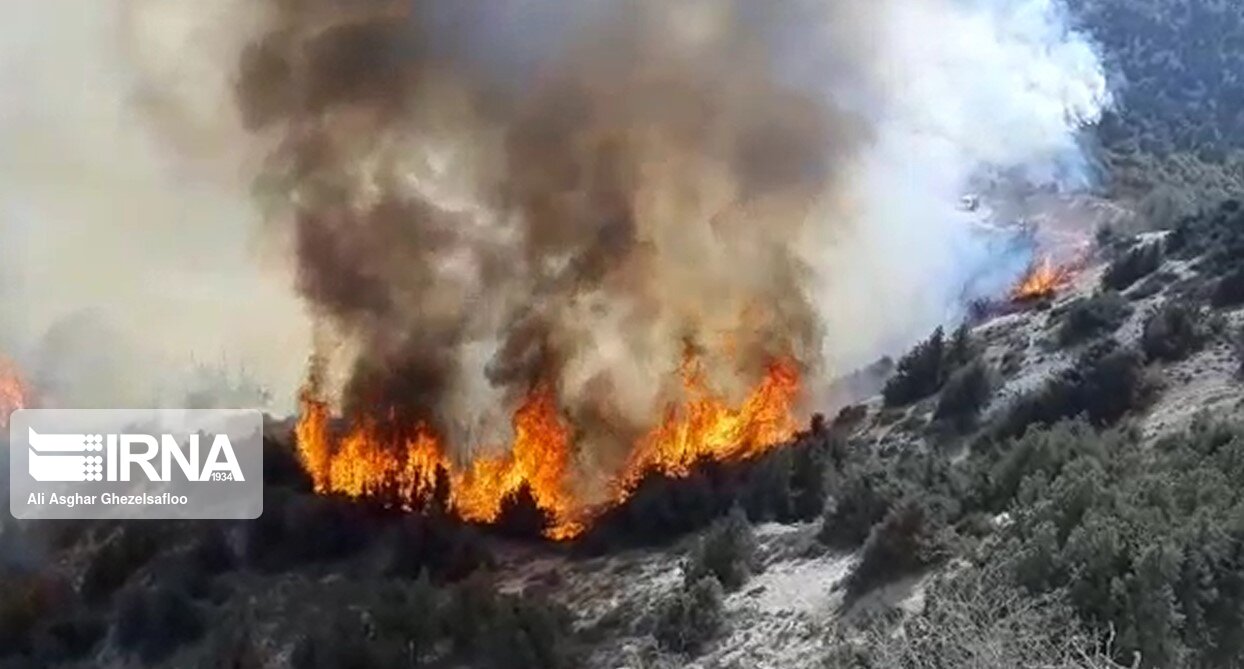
12	391
705	428
367	462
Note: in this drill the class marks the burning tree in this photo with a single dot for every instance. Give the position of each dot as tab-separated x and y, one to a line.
13	392
377	460
535	287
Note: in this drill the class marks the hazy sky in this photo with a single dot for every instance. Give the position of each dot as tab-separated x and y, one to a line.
127	227
101	213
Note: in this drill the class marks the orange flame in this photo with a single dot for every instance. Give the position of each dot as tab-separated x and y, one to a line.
707	429
366	463
1043	280
12	391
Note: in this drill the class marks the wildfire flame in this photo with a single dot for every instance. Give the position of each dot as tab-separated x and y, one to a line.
12	391
415	469
1043	280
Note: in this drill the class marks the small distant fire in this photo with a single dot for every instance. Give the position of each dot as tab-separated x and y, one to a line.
372	460
13	392
1043	280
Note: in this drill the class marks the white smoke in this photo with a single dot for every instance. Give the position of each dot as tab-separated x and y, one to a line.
956	89
121	259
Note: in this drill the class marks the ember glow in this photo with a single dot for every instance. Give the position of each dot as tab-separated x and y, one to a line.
1043	280
374	460
13	392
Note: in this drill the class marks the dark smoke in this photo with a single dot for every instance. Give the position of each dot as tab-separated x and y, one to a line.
641	190
479	194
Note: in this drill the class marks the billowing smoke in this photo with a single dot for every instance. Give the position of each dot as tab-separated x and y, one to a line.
482	196
644	190
488	196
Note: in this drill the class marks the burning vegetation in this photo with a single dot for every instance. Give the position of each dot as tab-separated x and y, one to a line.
523	287
413	469
13	392
508	266
1042	281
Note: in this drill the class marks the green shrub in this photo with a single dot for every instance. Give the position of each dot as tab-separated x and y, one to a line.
503	631
298	528
727	551
911	537
406	621
211	552
281	466
919	373
528	633
1089	317
922	371
1229	290
850	416
231	646
766	492
1217	233
68	636
41	622
1103	384
787	485
862	497
340	644
1013	360
808	472
152	623
961	350
967	391
23	602
471	604
1144	541
691	617
1173	332
131	546
1042	452
1132	266
388	623
521	517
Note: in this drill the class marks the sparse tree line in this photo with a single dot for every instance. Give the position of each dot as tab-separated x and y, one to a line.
381	588
1064	540
1118	551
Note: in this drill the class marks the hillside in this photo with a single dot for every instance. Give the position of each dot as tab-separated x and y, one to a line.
1173	140
1054	483
1075	454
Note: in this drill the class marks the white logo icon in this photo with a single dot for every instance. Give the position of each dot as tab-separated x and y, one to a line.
115	457
66	457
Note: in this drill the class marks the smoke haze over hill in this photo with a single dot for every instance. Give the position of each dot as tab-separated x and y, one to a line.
477	195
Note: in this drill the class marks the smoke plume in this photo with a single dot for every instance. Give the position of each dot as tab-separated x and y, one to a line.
490	196
643	191
479	197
